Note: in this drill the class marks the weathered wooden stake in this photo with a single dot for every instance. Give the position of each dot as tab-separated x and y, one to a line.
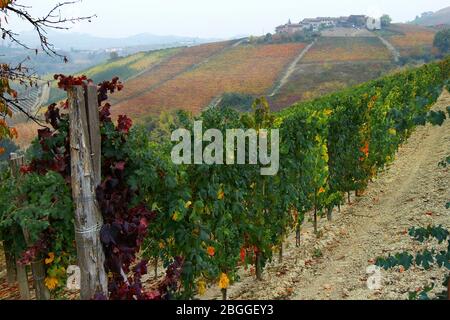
224	295
38	271
15	163
37	266
330	214
94	132
316	232
22	281
448	290
88	218
10	263
280	253
258	266
298	236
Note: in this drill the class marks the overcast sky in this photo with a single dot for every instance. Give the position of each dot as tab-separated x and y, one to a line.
220	18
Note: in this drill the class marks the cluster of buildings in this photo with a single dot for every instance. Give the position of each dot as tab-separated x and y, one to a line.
315	24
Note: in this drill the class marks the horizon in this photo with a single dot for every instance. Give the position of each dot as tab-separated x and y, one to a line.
224	20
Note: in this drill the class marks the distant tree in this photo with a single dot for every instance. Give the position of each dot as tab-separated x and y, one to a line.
268	38
442	41
114	55
252	39
237	101
386	20
161	126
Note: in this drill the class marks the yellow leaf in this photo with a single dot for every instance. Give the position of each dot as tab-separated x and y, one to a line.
201	287
50	259
51	283
176	216
224	282
188	204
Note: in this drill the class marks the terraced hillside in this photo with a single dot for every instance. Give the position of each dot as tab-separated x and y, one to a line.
124	68
410	40
185	60
311	80
338	49
251	69
334	63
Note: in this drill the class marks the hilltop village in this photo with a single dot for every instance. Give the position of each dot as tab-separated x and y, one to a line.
320	23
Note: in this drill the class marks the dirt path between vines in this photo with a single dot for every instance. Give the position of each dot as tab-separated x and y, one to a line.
290	70
411	193
392	49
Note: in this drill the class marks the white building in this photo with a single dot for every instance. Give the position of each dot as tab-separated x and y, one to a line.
289	28
316	23
373	23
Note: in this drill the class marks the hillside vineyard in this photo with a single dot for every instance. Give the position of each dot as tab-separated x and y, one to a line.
206	221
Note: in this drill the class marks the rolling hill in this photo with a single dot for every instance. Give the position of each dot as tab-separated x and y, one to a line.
410	40
251	69
332	64
196	77
80	41
434	18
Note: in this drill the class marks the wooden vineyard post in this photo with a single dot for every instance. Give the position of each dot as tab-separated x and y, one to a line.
330	214
156	267
39	273
10	263
258	266
22	281
21	271
280	253
88	218
37	266
94	132
316	231
224	294
448	289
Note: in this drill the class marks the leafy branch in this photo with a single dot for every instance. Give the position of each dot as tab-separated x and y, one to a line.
52	20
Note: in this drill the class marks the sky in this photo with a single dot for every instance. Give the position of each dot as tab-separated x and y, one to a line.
218	19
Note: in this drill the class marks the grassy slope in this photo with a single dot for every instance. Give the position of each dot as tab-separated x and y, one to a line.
333	64
440	17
